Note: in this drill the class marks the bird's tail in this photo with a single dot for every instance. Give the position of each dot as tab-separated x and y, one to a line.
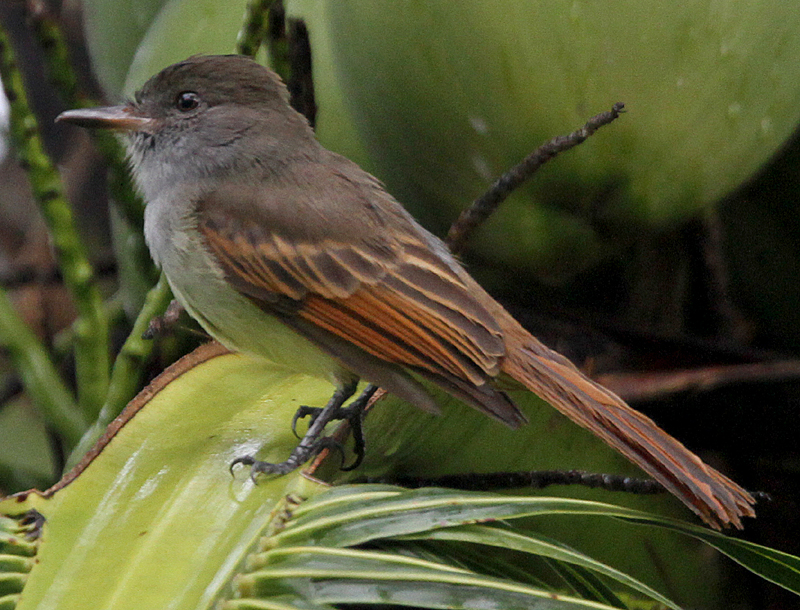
715	498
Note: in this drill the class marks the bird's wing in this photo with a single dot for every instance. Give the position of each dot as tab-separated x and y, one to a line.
393	297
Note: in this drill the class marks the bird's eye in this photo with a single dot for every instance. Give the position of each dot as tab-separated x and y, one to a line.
187	100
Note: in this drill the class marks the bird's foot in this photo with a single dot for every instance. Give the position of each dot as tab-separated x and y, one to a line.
298	457
311	443
352	413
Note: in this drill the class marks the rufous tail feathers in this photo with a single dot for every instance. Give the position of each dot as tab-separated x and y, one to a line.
715	498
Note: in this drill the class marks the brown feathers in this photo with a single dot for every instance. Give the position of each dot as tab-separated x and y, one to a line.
373	289
397	302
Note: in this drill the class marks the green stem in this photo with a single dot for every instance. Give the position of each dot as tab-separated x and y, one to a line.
39	375
127	372
91	326
56	53
278	44
254	30
59	68
136	270
128	367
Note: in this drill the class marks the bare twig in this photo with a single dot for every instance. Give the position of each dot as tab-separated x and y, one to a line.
160	324
487	203
651	385
91	327
538	479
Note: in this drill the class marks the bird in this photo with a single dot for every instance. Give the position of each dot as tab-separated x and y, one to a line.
284	250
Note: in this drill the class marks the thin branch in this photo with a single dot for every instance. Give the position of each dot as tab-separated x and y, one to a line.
300	81
657	385
126	375
537	479
91	326
486	204
39	375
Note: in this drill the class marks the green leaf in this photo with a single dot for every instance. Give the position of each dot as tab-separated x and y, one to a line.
366	577
114	29
775	566
534	543
183	28
280	602
373	512
439	514
154	518
378	513
585	584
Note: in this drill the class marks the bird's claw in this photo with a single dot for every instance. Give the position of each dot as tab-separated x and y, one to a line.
245	460
302	413
299	456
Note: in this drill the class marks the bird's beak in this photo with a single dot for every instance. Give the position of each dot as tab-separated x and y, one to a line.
120	118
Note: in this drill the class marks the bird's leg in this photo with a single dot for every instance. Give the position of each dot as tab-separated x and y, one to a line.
355	417
311	442
353	413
